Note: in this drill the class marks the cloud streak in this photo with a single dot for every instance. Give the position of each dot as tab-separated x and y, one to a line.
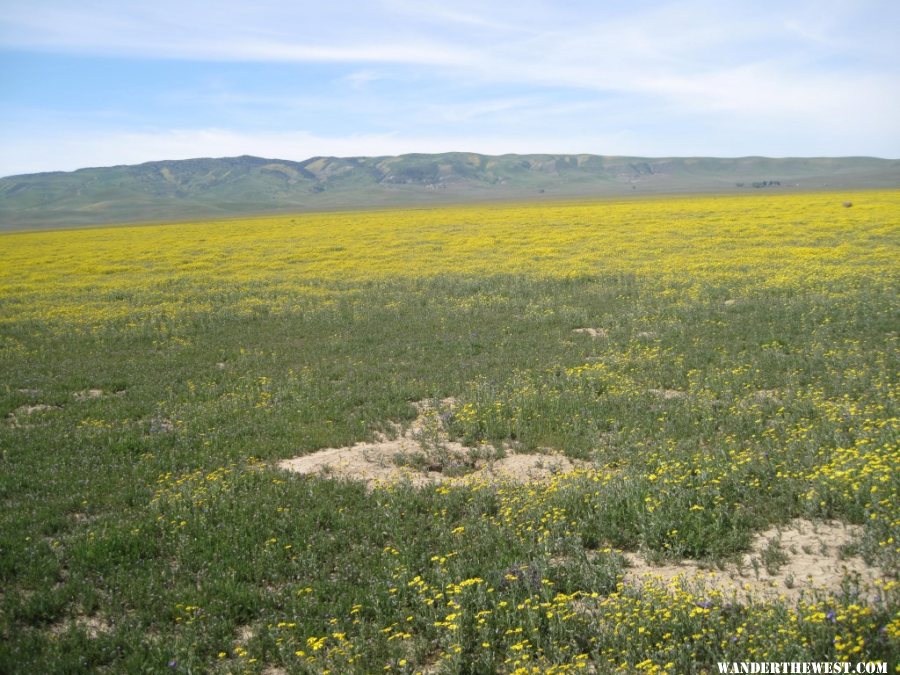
666	77
273	32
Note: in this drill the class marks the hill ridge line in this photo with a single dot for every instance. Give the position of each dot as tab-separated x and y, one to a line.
170	190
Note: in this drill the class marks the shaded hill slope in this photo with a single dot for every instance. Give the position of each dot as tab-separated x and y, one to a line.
204	188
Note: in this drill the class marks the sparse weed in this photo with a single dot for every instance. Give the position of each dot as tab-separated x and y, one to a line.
774	557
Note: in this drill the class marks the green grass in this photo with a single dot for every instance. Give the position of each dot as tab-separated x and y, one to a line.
170	191
176	541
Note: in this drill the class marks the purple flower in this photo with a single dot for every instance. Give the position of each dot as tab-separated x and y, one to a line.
706	604
831	616
173	663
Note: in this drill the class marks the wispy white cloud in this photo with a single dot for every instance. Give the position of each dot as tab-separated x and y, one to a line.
665	76
221	31
360	79
491	107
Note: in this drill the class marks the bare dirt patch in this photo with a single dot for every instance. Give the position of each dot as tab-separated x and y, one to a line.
759	398
81	518
764	395
424	455
87	394
593	332
161	425
93	626
244	635
792	561
525	467
30	409
23	411
668	394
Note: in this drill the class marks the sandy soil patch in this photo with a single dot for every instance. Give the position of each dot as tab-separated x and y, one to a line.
764	395
790	562
16	416
593	332
244	635
524	467
161	425
424	455
759	398
668	394
93	626
81	518
87	394
30	409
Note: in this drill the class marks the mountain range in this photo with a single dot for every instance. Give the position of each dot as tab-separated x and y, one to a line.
209	188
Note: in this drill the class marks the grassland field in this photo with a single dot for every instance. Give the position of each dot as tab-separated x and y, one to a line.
152	377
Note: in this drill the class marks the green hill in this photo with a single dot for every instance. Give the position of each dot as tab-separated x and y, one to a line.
208	188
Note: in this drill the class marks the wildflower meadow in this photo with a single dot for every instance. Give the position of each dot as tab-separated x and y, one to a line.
711	368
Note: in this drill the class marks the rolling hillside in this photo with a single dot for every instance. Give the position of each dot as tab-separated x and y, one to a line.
203	188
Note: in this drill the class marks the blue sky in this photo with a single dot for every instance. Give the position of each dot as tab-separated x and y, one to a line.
102	82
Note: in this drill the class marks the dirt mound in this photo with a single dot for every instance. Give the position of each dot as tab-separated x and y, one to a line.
668	394
87	394
377	464
593	332
93	626
29	409
423	454
788	562
24	411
